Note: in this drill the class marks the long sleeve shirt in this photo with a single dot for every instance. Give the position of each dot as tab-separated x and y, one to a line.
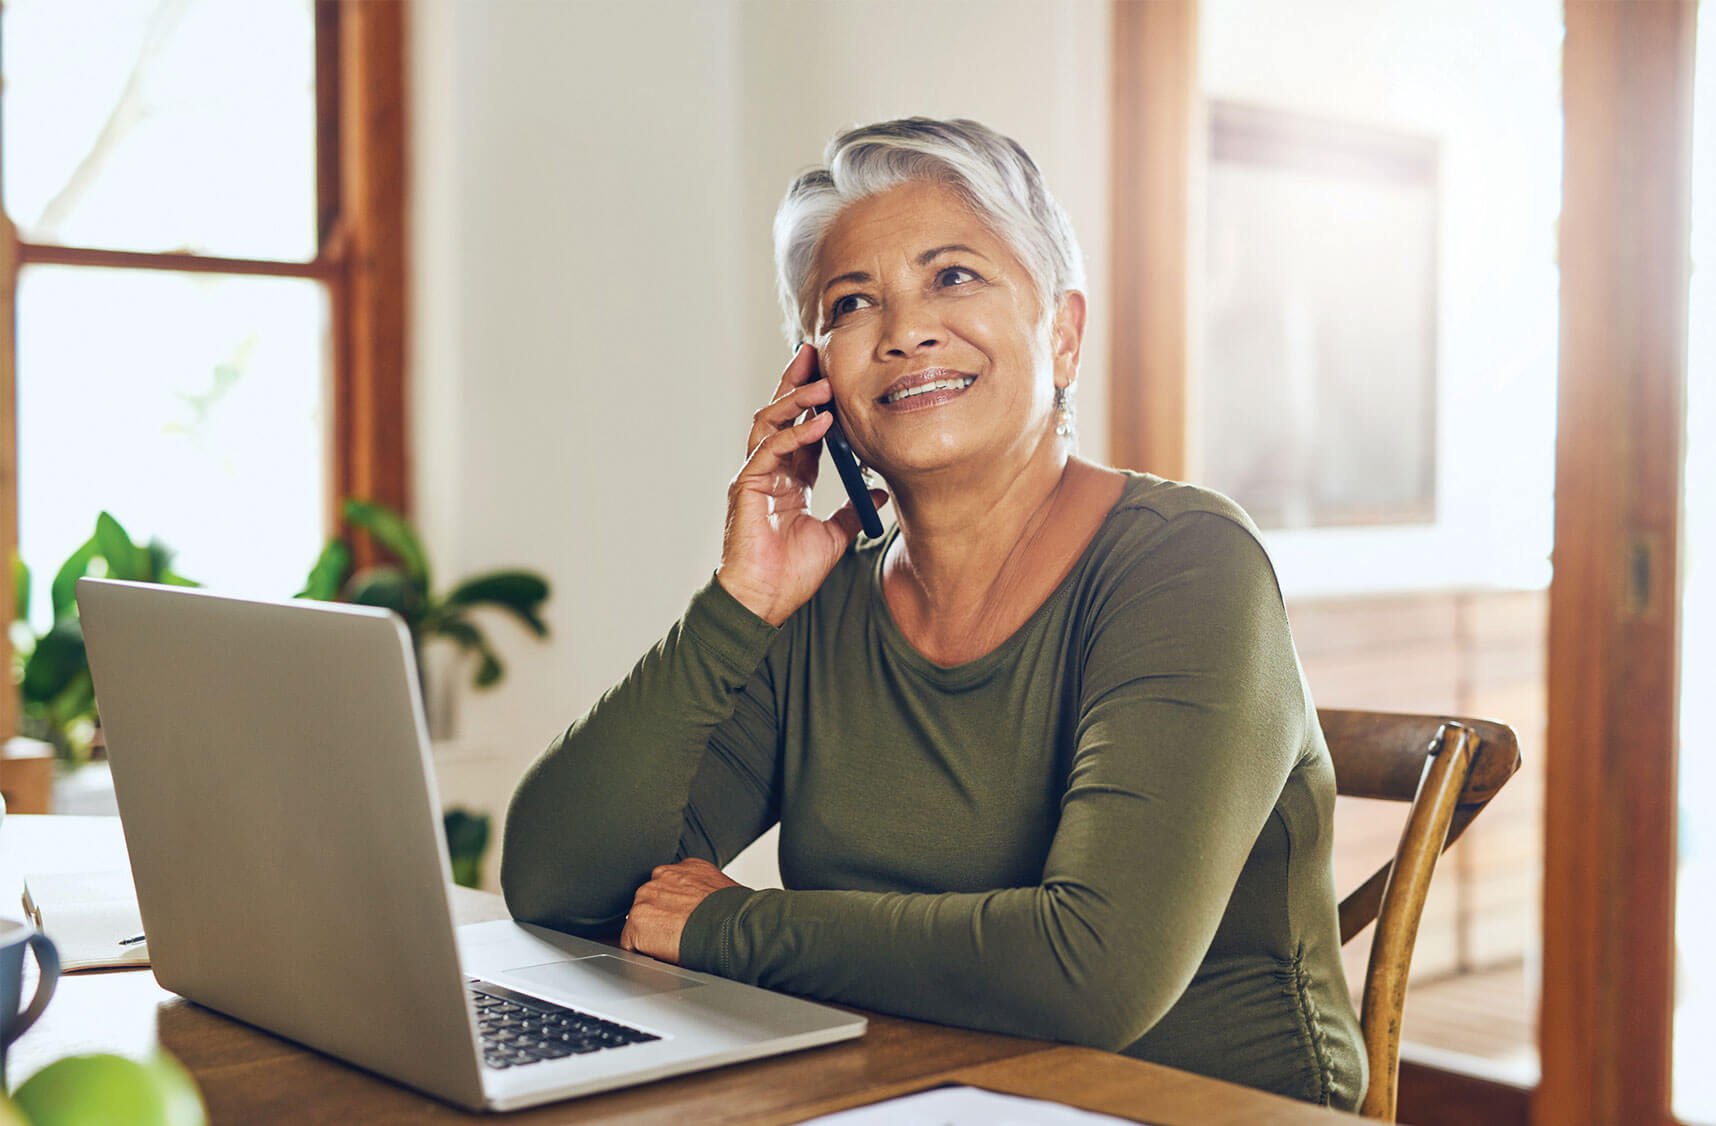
1112	830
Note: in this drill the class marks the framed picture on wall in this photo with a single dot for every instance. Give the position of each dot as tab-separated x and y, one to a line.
1317	390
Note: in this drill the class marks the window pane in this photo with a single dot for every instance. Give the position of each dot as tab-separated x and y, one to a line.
191	406
1695	986
162	125
1319	366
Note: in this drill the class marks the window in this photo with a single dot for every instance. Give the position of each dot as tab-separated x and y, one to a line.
203	256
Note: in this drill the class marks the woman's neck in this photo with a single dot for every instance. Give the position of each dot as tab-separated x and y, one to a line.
976	557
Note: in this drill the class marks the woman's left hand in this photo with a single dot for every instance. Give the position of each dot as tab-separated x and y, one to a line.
661	906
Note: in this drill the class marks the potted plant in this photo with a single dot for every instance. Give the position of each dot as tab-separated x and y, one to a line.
405	588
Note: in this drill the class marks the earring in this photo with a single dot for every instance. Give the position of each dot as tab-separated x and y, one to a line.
1064	411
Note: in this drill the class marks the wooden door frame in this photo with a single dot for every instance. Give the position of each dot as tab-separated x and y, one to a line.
1608	898
1157	150
1606	1024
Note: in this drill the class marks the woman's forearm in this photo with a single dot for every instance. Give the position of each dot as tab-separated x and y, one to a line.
608	800
1050	962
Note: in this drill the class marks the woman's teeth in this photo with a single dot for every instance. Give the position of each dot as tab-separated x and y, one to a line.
958	383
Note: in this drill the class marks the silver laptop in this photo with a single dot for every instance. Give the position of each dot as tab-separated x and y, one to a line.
274	783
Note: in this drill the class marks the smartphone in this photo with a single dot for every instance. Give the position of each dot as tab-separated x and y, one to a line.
846	464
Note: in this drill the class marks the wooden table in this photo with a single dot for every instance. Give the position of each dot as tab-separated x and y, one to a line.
248	1076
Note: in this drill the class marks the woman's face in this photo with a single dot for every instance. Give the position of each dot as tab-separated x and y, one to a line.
932	335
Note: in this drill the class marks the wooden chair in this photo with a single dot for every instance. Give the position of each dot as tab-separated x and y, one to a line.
1449	769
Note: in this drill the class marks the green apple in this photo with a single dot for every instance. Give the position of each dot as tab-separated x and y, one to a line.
10	1115
87	1090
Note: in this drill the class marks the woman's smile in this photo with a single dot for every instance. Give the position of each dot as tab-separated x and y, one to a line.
922	390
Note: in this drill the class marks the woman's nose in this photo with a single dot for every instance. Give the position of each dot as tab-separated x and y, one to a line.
908	326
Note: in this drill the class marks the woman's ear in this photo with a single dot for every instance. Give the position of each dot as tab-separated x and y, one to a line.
1067	337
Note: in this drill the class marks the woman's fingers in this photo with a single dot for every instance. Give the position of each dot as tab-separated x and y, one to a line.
661	907
774	553
780	445
786	407
800	369
846	517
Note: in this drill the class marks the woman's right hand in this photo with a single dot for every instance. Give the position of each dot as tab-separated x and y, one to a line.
775	553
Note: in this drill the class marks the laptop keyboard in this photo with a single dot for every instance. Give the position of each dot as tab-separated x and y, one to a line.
518	1030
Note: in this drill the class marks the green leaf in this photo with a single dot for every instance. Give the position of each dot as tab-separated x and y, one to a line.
393	532
55	662
75	701
20	589
467	840
158	560
385	586
470	639
125	560
521	593
64	589
323	583
160	566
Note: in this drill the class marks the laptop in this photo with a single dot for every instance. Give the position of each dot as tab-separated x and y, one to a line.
272	770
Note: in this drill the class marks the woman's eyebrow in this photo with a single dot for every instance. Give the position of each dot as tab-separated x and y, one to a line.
929	256
859	277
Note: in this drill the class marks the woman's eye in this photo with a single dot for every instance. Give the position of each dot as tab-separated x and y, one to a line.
955	275
851	303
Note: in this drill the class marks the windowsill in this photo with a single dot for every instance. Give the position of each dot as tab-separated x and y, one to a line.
1337	562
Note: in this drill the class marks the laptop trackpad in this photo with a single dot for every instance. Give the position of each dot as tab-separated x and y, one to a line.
599	978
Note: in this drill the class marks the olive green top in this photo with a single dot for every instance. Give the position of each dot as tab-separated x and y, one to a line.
1113	830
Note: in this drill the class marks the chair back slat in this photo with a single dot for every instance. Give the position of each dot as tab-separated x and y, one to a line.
1359	908
1381	754
1448	769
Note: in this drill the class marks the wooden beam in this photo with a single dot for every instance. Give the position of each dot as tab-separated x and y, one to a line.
327	119
1157	138
8	462
1608	941
370	443
37	254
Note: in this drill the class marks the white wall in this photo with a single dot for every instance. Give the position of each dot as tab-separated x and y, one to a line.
593	305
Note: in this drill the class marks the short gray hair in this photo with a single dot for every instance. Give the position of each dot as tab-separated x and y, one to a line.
989	172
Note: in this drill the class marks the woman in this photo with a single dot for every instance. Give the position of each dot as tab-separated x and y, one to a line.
1043	758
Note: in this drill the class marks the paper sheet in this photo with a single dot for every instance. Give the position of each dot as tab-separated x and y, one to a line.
966	1106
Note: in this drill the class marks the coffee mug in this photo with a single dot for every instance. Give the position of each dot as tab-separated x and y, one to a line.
14	938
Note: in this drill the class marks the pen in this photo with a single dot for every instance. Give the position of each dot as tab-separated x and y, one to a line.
131	941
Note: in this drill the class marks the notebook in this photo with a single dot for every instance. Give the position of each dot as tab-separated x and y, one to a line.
273	776
92	918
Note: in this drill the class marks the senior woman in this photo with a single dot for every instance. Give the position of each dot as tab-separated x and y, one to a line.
1042	756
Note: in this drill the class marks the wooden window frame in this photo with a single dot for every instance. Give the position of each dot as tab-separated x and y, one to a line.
1606	1024
361	188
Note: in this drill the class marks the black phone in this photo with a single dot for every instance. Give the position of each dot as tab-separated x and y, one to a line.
846	464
